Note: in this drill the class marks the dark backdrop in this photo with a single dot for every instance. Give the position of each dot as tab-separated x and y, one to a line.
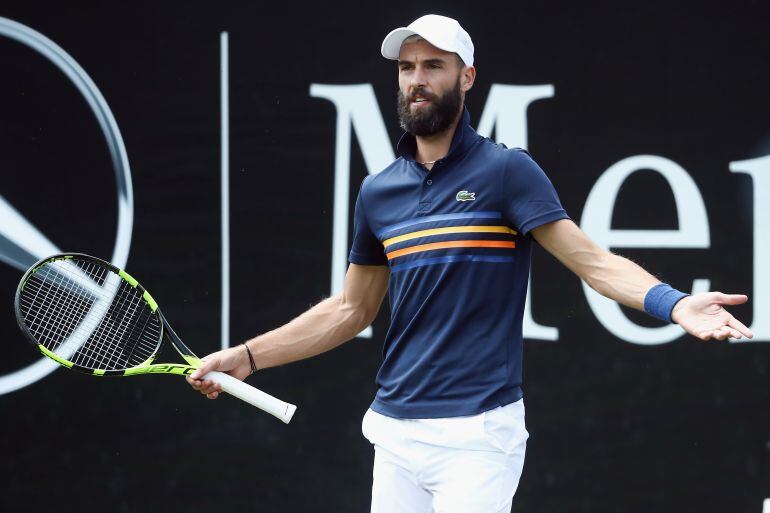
614	426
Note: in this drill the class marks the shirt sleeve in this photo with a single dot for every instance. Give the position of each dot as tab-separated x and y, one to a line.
529	198
366	248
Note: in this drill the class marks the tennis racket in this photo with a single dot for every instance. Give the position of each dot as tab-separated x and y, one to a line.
92	317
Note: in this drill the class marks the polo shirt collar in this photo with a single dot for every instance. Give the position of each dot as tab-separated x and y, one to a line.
462	139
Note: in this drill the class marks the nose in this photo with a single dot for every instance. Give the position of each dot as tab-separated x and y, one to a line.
417	77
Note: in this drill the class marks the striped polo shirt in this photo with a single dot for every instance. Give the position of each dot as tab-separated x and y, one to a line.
456	241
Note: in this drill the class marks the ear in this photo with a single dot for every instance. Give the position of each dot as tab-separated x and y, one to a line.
467	77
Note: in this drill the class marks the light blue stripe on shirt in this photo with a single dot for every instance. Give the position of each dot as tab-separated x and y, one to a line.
439	217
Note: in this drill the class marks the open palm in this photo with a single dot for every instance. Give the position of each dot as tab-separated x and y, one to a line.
703	316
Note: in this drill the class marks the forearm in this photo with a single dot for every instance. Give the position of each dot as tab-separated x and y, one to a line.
321	328
325	326
608	274
622	280
619	279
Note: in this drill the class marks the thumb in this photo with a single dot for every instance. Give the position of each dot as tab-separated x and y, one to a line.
206	367
730	299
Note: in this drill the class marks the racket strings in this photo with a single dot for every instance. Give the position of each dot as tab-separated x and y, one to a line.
46	328
142	325
120	342
101	349
88	315
61	292
102	356
113	345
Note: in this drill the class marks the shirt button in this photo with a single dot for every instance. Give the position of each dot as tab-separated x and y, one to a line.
429	182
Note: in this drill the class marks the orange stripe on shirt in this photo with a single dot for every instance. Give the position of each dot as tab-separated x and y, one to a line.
448	230
453	244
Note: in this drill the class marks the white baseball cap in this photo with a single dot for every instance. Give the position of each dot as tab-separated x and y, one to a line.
442	32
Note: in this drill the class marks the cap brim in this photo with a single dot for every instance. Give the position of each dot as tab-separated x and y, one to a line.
391	45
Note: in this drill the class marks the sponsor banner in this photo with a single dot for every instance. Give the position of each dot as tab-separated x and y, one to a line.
217	151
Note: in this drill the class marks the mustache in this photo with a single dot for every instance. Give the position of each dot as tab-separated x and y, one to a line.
422	93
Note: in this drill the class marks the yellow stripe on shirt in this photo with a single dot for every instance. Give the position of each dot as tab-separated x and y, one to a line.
448	229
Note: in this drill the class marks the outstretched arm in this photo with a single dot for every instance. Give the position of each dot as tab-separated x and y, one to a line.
325	326
621	280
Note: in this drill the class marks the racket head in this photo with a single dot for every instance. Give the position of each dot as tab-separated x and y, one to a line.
88	315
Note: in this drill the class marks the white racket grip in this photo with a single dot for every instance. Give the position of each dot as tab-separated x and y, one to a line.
253	396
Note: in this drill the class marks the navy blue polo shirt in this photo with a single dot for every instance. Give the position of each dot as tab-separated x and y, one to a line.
455	239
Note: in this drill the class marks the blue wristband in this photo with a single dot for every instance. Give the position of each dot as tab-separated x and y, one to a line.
660	301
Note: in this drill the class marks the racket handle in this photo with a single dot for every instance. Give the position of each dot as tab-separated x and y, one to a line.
253	396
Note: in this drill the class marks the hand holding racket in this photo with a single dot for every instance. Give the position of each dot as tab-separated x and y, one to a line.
232	361
90	316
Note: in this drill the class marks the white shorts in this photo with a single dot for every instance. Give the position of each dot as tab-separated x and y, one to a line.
448	465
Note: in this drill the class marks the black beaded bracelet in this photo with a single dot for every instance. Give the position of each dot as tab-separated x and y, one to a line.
251	358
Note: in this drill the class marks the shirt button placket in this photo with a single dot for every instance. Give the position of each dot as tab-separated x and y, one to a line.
425	196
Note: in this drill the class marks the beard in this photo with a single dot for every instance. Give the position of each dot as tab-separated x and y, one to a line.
433	119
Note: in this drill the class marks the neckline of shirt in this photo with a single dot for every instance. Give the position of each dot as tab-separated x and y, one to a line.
461	142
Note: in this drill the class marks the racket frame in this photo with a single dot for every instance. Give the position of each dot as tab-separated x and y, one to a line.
247	393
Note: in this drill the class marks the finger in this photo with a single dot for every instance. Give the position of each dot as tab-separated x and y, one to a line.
705	335
738	325
209	387
200	385
730	299
719	334
726	332
206	367
195	383
213	395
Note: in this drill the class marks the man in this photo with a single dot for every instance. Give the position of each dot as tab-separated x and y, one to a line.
448	228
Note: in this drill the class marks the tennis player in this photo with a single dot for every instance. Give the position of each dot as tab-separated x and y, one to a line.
448	229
